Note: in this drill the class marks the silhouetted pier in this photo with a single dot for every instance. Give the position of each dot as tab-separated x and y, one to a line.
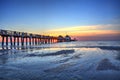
24	39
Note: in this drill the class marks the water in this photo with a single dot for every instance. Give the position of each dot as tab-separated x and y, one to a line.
81	60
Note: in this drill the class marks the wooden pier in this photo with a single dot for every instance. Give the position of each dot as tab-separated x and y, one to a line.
16	38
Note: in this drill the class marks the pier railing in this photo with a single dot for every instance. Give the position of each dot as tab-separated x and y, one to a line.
16	38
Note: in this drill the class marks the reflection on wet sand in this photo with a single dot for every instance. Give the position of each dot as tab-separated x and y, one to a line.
105	64
75	56
59	68
118	55
61	63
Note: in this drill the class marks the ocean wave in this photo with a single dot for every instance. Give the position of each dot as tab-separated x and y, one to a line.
53	54
101	47
43	47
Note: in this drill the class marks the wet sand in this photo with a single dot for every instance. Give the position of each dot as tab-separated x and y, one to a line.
60	64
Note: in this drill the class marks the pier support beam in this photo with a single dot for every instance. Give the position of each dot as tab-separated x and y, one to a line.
3	40
14	41
51	40
30	41
17	41
26	41
22	41
11	41
35	41
45	41
6	41
38	41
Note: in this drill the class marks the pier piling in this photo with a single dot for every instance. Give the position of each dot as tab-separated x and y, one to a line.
15	38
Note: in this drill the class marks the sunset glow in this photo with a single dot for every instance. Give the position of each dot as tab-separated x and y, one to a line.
99	19
59	39
88	31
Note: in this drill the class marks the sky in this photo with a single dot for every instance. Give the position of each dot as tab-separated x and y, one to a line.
82	19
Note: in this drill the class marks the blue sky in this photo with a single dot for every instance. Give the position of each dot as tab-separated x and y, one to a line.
43	15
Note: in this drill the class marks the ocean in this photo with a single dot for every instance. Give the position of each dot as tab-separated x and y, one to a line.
78	60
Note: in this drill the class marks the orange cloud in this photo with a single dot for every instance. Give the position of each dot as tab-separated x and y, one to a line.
88	31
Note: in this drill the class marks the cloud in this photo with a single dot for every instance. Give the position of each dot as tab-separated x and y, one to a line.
92	27
92	30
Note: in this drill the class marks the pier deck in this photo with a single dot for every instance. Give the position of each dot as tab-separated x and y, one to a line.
23	38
